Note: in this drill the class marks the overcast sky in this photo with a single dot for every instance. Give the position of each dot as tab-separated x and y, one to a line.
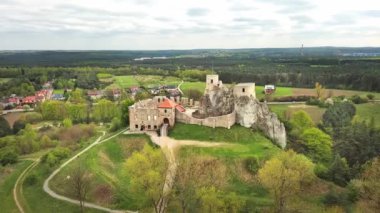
186	24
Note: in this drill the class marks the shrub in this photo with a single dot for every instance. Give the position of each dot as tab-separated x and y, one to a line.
54	157
252	164
18	125
30	180
8	155
5	129
356	99
31	117
67	123
292	98
115	124
370	96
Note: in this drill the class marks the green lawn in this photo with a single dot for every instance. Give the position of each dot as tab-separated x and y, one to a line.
105	164
280	92
369	110
58	91
125	81
8	177
193	85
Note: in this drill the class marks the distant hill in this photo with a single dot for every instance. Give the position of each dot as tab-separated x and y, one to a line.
118	58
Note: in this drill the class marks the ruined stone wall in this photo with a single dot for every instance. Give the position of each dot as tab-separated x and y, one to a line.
225	121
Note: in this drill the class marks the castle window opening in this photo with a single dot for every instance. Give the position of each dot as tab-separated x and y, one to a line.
165	111
243	89
212	81
149	126
158	99
136	126
155	126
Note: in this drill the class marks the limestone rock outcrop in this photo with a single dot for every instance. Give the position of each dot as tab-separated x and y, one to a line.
216	103
251	113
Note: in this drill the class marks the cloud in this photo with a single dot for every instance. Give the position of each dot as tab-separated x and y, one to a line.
147	24
197	11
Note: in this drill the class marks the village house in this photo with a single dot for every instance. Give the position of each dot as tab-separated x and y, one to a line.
269	89
94	94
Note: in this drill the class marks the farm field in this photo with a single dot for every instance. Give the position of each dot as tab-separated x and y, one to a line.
363	111
285	111
105	163
143	80
286	91
8	178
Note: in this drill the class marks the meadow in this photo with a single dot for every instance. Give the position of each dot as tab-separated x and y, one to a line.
363	111
147	81
105	163
8	178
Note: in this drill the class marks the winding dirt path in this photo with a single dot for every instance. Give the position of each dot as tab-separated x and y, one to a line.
170	147
66	199
18	185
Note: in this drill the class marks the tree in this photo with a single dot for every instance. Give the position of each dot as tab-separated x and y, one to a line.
318	144
142	95
8	155
81	183
299	122
77	112
18	125
115	124
233	203
125	110
5	129
368	185
339	115
147	170
370	96
319	90
193	94
67	123
285	175
105	111
196	173
339	171
210	199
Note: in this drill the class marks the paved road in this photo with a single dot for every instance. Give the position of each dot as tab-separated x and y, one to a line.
19	182
179	87
86	204
16	110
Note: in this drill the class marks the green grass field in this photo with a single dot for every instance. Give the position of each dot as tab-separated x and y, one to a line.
285	111
369	110
4	80
128	81
105	164
246	142
200	86
280	92
8	177
58	91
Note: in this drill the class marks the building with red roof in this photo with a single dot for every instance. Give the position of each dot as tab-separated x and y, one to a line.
151	114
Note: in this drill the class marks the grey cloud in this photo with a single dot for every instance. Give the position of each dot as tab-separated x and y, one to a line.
197	11
341	19
371	13
258	22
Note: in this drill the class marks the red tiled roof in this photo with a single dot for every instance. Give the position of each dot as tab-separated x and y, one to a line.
29	99
13	100
180	108
166	103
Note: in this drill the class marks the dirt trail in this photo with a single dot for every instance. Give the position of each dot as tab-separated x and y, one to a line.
170	147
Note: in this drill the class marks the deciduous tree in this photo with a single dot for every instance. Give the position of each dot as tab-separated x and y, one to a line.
284	175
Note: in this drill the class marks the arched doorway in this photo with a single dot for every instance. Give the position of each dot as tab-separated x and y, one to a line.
142	128
166	121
